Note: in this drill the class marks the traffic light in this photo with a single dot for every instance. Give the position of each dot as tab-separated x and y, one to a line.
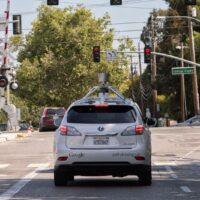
190	2
115	2
96	53
52	2
3	81
147	54
17	24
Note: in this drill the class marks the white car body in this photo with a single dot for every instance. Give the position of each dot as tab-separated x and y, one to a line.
102	136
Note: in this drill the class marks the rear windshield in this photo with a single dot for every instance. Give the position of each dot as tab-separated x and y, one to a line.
59	111
101	115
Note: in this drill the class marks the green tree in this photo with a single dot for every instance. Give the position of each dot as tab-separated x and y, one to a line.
56	59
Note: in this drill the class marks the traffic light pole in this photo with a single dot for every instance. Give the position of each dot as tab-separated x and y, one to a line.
176	58
140	67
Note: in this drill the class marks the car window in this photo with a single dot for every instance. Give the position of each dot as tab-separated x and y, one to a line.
60	111
101	115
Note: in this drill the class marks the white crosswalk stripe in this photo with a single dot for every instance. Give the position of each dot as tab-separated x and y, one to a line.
2	166
185	189
36	165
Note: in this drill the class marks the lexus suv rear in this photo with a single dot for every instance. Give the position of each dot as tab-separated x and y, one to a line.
102	136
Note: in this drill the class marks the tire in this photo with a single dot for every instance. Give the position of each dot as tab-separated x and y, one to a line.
59	178
69	177
145	178
41	129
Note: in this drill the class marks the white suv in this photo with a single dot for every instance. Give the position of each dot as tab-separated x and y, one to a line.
103	135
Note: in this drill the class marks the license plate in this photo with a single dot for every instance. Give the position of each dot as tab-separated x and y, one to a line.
101	140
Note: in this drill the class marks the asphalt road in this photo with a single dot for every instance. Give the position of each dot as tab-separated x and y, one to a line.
26	171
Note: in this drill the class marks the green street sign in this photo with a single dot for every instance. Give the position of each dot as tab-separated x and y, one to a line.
182	70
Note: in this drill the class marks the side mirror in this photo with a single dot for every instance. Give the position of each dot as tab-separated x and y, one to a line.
57	122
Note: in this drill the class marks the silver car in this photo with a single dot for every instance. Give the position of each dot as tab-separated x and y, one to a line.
103	135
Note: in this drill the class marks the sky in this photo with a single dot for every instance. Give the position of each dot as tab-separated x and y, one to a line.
128	18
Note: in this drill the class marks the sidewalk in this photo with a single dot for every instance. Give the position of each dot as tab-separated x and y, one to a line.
13	135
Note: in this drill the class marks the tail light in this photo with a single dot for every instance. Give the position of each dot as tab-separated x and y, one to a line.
133	130
69	131
139	129
101	105
62	158
139	158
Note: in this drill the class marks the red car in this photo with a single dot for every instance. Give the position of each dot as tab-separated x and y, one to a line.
48	115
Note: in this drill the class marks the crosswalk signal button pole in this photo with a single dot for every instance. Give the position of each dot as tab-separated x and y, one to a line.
96	54
147	54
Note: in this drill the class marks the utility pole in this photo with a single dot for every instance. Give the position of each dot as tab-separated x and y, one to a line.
140	69
193	59
182	87
132	82
154	71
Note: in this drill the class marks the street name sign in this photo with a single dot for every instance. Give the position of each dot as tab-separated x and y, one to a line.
182	70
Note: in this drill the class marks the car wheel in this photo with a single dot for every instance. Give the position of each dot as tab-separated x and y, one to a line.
40	130
59	178
69	177
145	178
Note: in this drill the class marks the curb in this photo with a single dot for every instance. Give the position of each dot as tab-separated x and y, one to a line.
3	139
23	135
12	136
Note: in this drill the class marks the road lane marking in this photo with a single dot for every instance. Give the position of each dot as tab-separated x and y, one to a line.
168	168
185	189
5	184
36	165
188	154
3	175
165	163
21	183
172	173
2	166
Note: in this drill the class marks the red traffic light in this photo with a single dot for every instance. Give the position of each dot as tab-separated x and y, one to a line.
3	81
96	49
96	53
147	54
147	51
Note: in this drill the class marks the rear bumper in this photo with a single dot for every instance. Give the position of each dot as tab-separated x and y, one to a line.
102	169
48	126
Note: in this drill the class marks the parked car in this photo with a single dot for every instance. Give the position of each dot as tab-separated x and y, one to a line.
102	135
25	126
3	126
48	115
193	121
